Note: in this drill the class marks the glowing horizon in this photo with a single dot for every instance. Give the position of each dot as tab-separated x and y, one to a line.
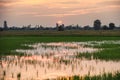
48	12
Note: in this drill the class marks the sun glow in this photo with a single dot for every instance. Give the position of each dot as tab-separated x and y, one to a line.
60	22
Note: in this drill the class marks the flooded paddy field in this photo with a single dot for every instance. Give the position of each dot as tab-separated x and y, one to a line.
61	59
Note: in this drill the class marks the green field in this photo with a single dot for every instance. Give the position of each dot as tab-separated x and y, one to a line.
12	40
108	76
109	52
7	44
60	33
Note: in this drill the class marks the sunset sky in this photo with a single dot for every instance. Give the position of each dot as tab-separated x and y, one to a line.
48	12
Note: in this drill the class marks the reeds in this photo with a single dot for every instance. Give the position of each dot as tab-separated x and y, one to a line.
105	76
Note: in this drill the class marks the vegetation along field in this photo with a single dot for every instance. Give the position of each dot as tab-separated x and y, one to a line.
63	56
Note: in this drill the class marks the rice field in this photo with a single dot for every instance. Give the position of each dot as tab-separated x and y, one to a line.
60	58
60	33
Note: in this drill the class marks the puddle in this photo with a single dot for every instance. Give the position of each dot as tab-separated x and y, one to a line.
60	48
51	60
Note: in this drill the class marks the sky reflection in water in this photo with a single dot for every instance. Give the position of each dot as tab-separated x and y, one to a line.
51	60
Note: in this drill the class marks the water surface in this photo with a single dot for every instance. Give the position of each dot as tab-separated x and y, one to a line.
51	60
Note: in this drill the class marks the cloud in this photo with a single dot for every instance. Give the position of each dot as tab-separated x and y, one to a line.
60	13
111	2
6	3
69	2
56	8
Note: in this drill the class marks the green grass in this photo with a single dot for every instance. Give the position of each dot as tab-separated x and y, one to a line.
7	44
106	76
60	33
109	52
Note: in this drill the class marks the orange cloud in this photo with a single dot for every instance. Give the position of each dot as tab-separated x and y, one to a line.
58	8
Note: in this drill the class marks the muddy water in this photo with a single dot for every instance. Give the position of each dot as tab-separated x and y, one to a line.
51	60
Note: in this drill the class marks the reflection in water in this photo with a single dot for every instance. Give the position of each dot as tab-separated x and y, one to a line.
60	48
51	60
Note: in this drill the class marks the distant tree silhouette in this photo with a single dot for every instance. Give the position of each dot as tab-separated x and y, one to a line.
77	26
63	27
60	27
5	25
111	26
87	27
105	27
1	29
97	24
57	25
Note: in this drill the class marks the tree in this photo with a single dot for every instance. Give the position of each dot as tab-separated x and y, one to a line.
97	24
60	27
1	29
111	26
105	27
87	27
5	25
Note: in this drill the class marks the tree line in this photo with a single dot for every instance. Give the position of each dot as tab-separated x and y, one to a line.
97	25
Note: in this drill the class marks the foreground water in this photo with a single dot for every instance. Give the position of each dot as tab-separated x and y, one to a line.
52	60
